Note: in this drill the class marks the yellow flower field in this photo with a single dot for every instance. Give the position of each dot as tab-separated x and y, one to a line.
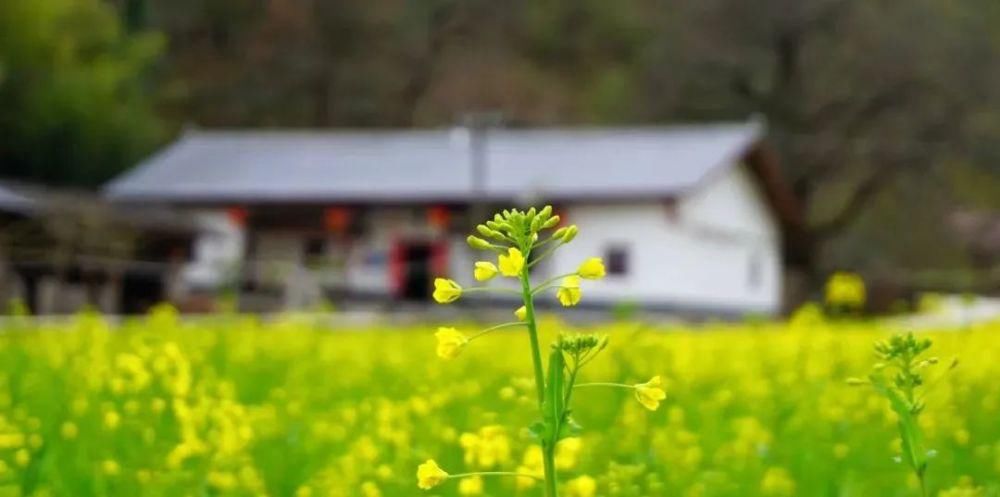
237	405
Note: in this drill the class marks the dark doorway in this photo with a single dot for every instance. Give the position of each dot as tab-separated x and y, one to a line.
140	291
417	271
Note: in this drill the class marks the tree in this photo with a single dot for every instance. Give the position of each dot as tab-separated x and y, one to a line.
75	104
856	92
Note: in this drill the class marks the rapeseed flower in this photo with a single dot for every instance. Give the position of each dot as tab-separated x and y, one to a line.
22	457
450	342
569	292
472	485
591	269
484	271
446	291
430	475
512	263
650	394
521	313
582	486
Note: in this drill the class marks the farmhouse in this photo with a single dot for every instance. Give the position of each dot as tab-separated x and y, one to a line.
63	250
687	218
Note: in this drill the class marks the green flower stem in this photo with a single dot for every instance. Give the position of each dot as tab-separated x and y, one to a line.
545	254
545	285
612	385
491	289
536	351
570	385
549	462
495	473
548	446
494	328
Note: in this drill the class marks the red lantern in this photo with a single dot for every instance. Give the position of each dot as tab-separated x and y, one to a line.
238	215
439	217
337	219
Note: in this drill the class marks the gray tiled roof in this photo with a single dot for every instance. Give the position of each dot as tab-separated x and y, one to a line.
416	165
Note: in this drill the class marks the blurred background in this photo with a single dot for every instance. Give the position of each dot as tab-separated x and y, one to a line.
724	157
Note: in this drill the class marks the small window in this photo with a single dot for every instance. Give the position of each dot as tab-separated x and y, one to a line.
315	247
617	261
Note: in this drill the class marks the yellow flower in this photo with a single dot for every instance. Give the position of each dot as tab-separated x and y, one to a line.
512	263
22	457
370	489
777	482
446	291
450	342
484	271
583	486
591	269
521	313
110	467
569	293
69	430
429	475
471	486
111	420
568	452
650	394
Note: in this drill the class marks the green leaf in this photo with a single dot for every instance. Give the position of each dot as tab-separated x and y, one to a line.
909	430
552	407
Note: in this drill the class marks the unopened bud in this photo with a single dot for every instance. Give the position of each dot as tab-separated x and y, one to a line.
545	213
487	232
570	233
551	222
478	243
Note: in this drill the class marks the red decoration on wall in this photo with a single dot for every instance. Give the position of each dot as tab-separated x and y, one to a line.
563	218
439	258
439	217
337	219
238	215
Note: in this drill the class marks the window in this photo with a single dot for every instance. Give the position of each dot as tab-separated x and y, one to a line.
315	248
616	258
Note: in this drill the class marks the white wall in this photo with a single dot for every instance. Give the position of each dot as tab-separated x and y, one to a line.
216	253
698	253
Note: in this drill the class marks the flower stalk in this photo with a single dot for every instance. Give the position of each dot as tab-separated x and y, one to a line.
512	236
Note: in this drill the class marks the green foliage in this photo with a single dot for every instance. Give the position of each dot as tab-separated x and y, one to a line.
899	377
74	102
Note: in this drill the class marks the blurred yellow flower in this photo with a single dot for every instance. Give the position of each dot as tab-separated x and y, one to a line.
69	430
777	482
429	475
569	292
521	313
111	420
110	467
591	269
568	452
582	486
487	448
845	289
446	291
450	342
484	271
650	394
370	489
472	485
512	263
22	457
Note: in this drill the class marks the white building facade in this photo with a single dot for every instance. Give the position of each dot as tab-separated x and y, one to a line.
680	216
